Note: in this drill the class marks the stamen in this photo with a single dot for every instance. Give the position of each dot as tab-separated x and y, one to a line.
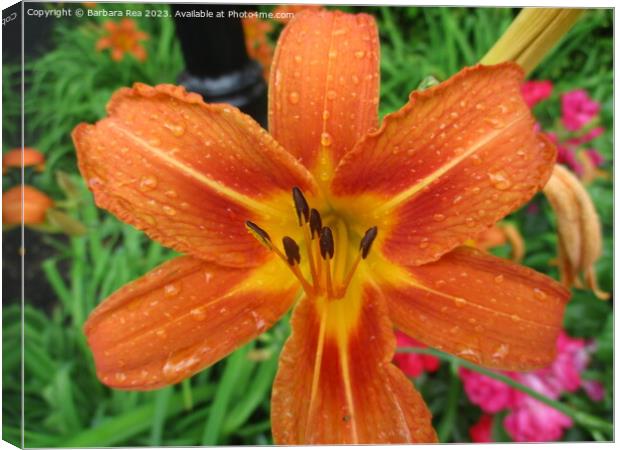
293	257
367	241
292	250
326	242
291	253
315	223
365	244
261	235
301	205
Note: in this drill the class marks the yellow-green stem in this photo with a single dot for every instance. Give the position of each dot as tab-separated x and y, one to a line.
531	35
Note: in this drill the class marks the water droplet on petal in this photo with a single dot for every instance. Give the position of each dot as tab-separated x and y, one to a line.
470	354
169	210
326	139
495	123
176	130
439	217
293	97
501	352
261	325
540	295
198	314
120	376
148	183
500	181
360	54
331	95
499	279
171	290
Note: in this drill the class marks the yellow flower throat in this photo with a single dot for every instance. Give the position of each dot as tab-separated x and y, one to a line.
329	274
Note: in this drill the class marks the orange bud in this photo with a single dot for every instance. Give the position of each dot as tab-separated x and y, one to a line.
32	157
498	235
579	230
36	204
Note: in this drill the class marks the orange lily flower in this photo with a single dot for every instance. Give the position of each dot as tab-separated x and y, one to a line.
257	43
35	206
32	157
371	238
123	37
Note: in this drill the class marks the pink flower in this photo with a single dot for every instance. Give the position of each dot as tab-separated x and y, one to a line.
489	394
595	157
578	109
414	364
530	420
594	389
481	431
566	154
533	421
571	360
533	208
589	136
535	92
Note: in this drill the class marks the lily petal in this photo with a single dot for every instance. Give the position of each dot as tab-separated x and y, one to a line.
187	173
324	86
182	317
482	308
453	161
336	383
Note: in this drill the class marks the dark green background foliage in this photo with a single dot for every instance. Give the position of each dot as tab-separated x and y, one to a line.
228	403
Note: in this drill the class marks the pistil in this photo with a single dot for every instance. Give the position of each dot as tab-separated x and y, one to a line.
365	245
320	248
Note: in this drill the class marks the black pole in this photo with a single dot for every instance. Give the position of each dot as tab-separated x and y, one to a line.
216	60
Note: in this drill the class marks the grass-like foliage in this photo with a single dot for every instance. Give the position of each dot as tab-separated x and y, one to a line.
65	404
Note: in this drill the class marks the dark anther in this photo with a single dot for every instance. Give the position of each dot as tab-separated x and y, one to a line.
367	241
259	233
301	205
315	223
292	250
326	242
